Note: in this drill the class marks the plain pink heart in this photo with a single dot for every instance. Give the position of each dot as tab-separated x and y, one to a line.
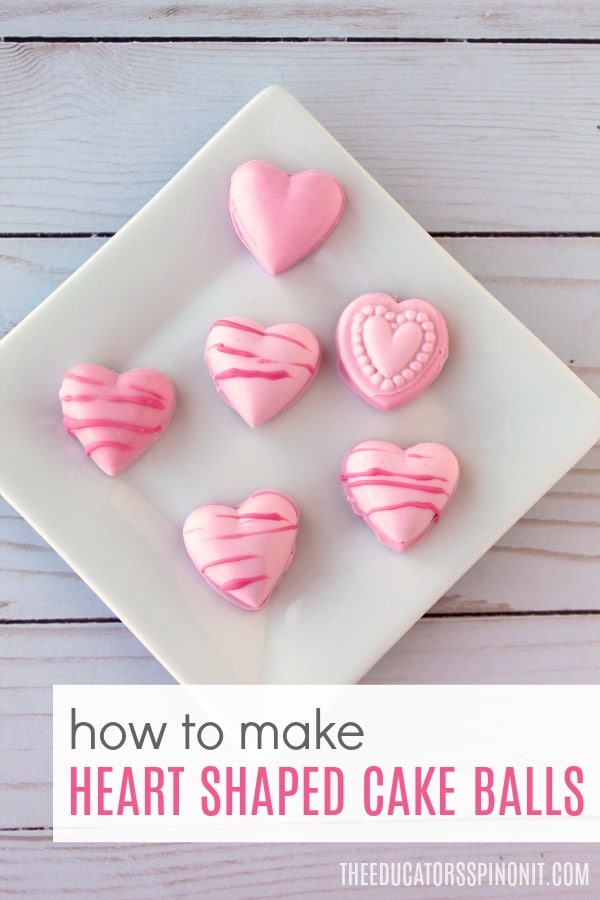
389	352
259	371
116	417
281	218
243	551
400	493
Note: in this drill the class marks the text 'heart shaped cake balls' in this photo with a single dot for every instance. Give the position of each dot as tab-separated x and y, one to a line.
243	551
260	371
115	417
281	218
389	351
400	493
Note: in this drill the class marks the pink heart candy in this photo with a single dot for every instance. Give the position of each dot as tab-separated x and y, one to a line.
242	551
400	493
115	417
259	371
281	218
390	351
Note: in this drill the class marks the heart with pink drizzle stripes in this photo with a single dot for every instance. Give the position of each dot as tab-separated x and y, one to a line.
115	417
400	493
260	371
242	551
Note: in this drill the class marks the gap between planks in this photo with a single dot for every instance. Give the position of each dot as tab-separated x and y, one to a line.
281	39
44	235
484	614
529	20
518	160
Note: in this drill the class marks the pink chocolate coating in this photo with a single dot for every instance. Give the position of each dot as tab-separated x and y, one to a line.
388	351
281	218
242	551
400	493
260	371
115	417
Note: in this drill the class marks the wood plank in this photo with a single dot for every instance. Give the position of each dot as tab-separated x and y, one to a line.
550	284
436	651
91	131
533	650
259	870
33	659
506	650
319	18
30	269
253	870
534	567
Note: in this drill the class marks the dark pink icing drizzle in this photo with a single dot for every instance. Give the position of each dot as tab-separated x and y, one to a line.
225	559
276	375
416	504
376	471
236	584
74	377
72	424
244	534
149	402
273	517
145	390
234	351
284	337
429	489
99	445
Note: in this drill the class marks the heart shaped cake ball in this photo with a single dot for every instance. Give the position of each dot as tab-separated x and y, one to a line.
259	371
400	493
242	551
388	351
115	417
281	218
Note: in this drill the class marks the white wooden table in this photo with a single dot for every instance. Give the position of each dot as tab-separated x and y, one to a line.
483	120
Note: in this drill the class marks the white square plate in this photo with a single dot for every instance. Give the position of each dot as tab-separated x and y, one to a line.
514	415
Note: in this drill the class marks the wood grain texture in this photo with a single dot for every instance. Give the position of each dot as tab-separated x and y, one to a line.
469	137
91	131
524	650
254	871
318	18
551	284
548	561
529	650
30	269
